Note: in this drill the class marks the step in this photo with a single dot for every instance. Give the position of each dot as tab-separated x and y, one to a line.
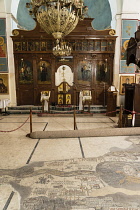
23	111
25	108
55	109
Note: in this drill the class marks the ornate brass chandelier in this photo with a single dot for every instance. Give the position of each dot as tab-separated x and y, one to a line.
61	48
57	17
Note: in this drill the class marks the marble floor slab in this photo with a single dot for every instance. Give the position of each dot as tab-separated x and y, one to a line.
97	173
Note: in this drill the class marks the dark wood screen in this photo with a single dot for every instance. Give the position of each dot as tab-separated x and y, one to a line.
91	62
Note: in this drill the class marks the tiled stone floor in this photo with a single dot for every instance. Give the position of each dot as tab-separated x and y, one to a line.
98	173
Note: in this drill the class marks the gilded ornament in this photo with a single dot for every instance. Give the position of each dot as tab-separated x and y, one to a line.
15	32
1	40
112	32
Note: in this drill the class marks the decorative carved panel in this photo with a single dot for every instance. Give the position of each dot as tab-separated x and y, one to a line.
91	63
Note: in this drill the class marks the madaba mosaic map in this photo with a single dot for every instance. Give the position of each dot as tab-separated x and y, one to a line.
108	182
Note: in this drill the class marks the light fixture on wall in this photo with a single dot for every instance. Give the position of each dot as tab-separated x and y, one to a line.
62	48
57	17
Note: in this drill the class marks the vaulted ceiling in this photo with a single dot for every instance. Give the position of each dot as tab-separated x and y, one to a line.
99	10
104	11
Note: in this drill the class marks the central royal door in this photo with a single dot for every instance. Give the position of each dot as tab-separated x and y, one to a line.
64	96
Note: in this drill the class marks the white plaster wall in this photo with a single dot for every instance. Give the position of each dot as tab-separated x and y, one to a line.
2	8
117	11
131	7
117	56
12	85
14	7
119	6
7	6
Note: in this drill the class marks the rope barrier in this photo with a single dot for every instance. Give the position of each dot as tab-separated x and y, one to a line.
18	127
72	111
83	112
133	112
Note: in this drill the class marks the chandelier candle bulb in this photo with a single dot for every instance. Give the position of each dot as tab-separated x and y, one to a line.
70	7
58	5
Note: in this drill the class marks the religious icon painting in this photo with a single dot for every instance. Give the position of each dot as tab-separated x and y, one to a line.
86	93
4	87
24	46
44	72
85	45
124	48
37	46
124	69
3	26
3	46
111	45
97	46
3	52
17	46
78	45
103	45
102	71
3	55
45	93
84	72
91	45
68	98
3	65
125	80
60	88
60	99
129	28
25	72
31	46
43	46
137	78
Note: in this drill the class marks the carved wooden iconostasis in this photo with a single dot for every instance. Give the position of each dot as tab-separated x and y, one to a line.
89	67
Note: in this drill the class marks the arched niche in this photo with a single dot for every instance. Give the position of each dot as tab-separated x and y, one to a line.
64	74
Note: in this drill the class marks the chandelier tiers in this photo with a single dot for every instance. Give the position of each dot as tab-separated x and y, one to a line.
61	49
57	17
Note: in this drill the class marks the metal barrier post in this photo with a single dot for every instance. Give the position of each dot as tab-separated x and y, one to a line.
30	120
120	117
74	114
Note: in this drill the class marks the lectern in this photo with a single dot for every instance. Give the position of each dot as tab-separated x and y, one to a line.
132	105
111	101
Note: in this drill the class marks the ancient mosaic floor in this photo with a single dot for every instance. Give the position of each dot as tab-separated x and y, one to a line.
100	173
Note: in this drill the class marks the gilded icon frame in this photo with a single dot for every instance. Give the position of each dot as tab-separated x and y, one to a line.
125	80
